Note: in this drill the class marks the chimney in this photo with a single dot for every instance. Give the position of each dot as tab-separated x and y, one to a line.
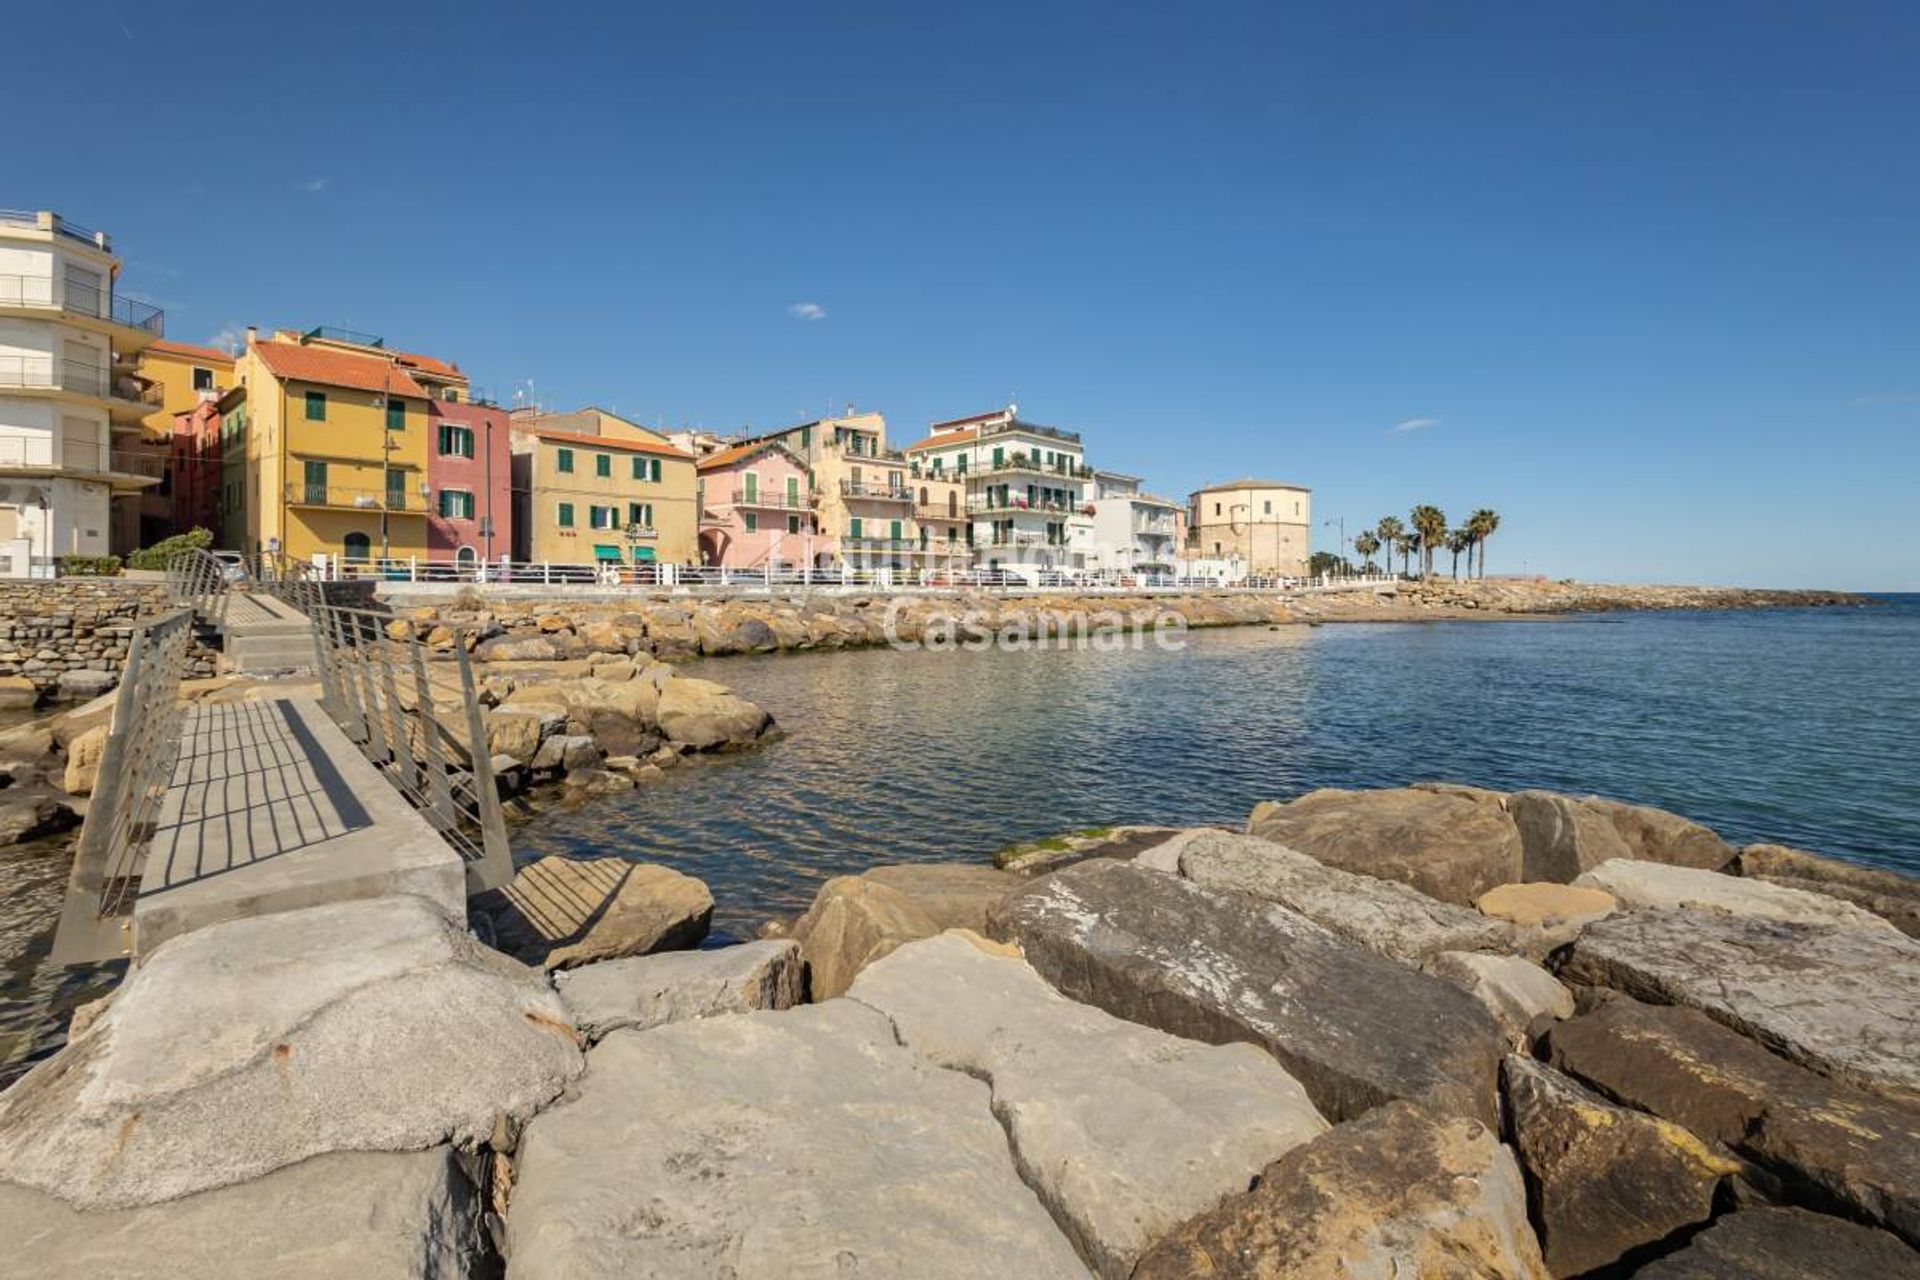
253	335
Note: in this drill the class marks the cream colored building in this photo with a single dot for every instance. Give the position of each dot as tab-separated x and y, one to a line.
592	487
1263	525
864	491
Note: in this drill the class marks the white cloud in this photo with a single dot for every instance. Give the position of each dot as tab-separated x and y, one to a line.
315	184
1412	424
807	311
231	338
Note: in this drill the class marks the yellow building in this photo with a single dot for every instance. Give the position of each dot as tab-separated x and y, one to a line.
589	486
335	444
179	377
1261	525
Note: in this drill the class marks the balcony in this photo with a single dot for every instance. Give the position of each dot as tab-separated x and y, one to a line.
981	504
141	322
939	511
880	492
345	499
60	226
1032	429
130	398
126	470
1026	464
892	546
770	501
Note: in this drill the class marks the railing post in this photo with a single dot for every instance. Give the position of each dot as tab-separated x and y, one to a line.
496	864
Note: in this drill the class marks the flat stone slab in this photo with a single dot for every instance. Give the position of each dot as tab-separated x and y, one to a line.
1520	995
1845	1002
1400	1192
255	1044
1356	1029
1381	915
767	1145
1885	893
1640	885
388	1214
1786	1244
650	991
1124	1132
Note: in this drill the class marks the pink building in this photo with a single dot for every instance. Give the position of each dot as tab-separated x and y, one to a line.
756	509
470	475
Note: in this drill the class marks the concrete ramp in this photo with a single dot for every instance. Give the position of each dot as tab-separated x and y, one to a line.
271	808
262	633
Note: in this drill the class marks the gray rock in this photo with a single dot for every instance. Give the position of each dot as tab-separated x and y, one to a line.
1605	1181
1522	997
1401	1192
1842	1001
1642	885
770	1145
1832	1146
1560	836
1655	835
1448	845
855	920
347	1214
1786	1244
1123	1131
567	751
1382	915
246	1046
79	686
560	912
651	991
706	716
1355	1028
1887	894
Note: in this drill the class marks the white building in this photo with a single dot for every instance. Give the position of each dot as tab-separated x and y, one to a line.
1133	531
67	389
1026	489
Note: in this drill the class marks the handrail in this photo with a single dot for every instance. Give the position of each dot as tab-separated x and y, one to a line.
136	768
199	581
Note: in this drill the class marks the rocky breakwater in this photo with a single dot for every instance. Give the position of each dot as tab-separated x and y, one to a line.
1373	1034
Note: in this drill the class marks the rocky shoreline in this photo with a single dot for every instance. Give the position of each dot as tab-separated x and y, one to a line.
1429	1031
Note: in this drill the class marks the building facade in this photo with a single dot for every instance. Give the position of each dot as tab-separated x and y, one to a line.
592	487
863	495
184	377
1261	525
1025	484
1133	531
196	469
470	478
757	509
71	398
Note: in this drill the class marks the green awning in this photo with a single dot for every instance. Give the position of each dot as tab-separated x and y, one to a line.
607	553
643	553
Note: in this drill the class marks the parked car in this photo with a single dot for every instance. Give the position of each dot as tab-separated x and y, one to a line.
232	564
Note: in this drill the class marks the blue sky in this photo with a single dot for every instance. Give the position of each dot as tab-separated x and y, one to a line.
1642	277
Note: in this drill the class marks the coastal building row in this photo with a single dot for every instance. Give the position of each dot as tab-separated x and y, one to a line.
327	443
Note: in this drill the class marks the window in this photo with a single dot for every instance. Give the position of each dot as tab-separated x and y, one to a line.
603	464
853	527
806	439
452	396
793	524
565	514
640	513
358	546
894	531
960	464
654	472
1266	507
751	482
396	415
563	460
999	456
752	519
456	504
315	478
793	491
1216	509
456	442
396	489
316	406
639	468
202	379
604	517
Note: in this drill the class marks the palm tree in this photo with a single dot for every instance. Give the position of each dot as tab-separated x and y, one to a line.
1459	540
1392	535
1366	544
1430	523
1481	524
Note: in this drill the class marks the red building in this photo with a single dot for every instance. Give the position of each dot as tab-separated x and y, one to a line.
469	473
194	465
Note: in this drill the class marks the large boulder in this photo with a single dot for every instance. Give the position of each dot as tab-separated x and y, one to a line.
1642	885
1402	1191
622	715
560	912
1355	1028
375	1025
1832	1145
957	895
855	920
1655	835
515	731
1786	1244
651	991
17	693
1123	1131
706	716
1561	836
1842	1001
768	1145
1383	915
1887	894
83	761
1450	846
1605	1180
411	1215
1522	997
517	649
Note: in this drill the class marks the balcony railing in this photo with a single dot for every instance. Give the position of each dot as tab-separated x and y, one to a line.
888	493
78	300
1032	428
1014	505
61	226
330	495
776	501
1027	464
938	511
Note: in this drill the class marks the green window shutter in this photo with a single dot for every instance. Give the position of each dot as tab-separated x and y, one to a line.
999	455
316	406
853	527
793	524
753	522
639	468
566	515
793	491
752	482
633	513
655	473
894	532
564	460
396	415
603	464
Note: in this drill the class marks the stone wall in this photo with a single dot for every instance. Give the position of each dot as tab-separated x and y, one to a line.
77	624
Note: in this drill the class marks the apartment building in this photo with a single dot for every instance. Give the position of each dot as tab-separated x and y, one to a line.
863	491
184	377
944	529
590	486
470	481
70	394
197	480
1026	488
1133	531
757	510
1260	525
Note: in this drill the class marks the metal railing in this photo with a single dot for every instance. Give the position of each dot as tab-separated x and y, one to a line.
202	584
769	498
332	495
136	768
424	734
76	299
892	493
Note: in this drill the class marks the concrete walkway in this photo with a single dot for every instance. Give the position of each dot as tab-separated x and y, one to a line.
271	807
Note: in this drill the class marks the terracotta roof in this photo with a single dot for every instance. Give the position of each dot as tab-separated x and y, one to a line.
427	364
746	449
212	355
337	369
944	439
614	442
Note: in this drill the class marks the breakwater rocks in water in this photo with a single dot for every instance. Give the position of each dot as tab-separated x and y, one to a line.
1430	1031
516	628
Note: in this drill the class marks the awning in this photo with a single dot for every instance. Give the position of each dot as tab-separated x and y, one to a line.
643	553
602	552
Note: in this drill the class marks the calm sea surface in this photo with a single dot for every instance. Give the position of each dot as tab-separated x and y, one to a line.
1796	726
